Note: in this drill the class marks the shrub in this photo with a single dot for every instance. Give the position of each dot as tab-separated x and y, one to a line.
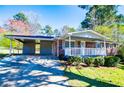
111	61
77	61
89	61
70	60
65	58
121	58
74	60
61	57
121	52
99	61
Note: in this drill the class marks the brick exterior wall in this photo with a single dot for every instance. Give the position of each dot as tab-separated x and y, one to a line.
29	47
90	44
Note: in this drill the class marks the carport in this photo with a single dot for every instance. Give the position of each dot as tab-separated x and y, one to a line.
29	44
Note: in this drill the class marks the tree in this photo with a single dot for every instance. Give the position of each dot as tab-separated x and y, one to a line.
119	27
71	29
17	27
104	19
118	32
66	29
104	30
33	22
99	15
48	30
5	42
56	32
34	28
24	24
20	17
18	24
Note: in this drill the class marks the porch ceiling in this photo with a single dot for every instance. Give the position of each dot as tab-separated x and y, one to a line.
85	39
87	35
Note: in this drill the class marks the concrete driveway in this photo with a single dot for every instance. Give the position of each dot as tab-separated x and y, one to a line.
31	71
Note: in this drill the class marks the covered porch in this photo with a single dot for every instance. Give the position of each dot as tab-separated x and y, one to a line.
86	43
85	51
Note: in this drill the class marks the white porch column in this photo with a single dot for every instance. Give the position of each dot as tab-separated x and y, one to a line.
10	49
83	48
105	47
69	45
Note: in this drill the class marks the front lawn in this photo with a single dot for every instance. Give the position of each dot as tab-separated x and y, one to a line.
6	51
94	76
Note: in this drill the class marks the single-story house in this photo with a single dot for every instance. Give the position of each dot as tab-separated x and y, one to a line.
80	43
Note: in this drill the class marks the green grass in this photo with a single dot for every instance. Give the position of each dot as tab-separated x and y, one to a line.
6	51
97	77
121	66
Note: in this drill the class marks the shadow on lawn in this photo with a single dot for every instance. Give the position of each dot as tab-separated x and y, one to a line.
23	78
91	82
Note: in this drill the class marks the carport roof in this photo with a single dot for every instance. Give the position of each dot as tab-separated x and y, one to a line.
29	37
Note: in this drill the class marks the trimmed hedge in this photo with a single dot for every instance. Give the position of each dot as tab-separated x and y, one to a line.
70	60
89	61
78	60
111	61
74	60
99	61
121	58
121	52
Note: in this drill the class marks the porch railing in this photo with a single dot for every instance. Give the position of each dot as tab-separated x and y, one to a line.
85	51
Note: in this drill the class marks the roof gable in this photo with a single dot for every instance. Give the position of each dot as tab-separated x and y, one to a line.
88	34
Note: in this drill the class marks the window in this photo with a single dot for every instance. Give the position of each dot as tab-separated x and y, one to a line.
37	48
67	44
98	45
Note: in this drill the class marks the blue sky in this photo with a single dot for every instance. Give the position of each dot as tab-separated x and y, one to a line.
55	16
